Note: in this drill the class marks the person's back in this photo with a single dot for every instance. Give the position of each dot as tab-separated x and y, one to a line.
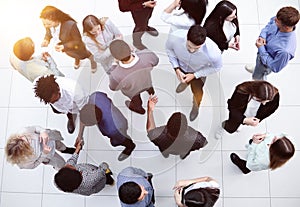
30	66
134	78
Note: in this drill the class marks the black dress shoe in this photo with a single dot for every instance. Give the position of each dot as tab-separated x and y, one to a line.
166	155
126	153
71	126
152	31
184	156
139	110
69	150
241	164
151	91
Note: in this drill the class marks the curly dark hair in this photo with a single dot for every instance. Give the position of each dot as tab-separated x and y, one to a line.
68	179
45	87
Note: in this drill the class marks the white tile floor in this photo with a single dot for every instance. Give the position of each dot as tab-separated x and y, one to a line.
19	107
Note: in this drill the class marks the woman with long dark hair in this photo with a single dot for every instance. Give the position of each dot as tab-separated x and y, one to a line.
193	12
222	26
250	103
63	29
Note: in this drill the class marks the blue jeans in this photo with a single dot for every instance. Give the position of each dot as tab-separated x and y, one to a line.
260	71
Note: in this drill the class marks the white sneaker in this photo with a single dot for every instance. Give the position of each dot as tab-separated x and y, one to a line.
249	68
219	133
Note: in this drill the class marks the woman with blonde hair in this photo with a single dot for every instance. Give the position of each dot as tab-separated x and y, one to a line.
250	103
98	33
265	151
34	145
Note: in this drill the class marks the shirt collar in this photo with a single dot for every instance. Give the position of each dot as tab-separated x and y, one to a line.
132	63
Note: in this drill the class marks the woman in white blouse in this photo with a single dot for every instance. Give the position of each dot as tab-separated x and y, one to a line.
202	192
193	12
222	26
265	151
98	34
34	145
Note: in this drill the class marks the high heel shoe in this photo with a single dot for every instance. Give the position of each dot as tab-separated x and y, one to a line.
76	64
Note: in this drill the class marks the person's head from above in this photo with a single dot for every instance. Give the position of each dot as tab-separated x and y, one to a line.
18	149
120	50
90	115
261	91
47	89
195	38
68	178
24	49
131	192
177	123
92	26
201	197
287	18
223	11
52	17
281	150
196	9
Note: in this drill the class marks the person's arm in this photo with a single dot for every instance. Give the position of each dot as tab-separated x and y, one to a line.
236	104
73	160
276	63
184	183
178	197
113	84
172	6
80	97
114	29
80	134
47	38
170	52
269	108
264	32
150	119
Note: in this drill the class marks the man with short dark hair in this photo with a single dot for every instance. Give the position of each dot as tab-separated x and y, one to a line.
135	188
101	111
64	96
132	74
276	44
193	57
176	137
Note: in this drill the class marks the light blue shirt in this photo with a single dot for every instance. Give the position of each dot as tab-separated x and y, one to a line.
205	61
258	154
138	176
280	47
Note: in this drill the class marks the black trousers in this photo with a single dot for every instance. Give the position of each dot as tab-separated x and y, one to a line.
141	19
69	115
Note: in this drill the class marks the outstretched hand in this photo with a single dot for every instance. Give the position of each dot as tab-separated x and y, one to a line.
152	102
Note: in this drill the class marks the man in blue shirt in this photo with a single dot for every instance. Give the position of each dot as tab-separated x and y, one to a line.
276	44
135	188
111	122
